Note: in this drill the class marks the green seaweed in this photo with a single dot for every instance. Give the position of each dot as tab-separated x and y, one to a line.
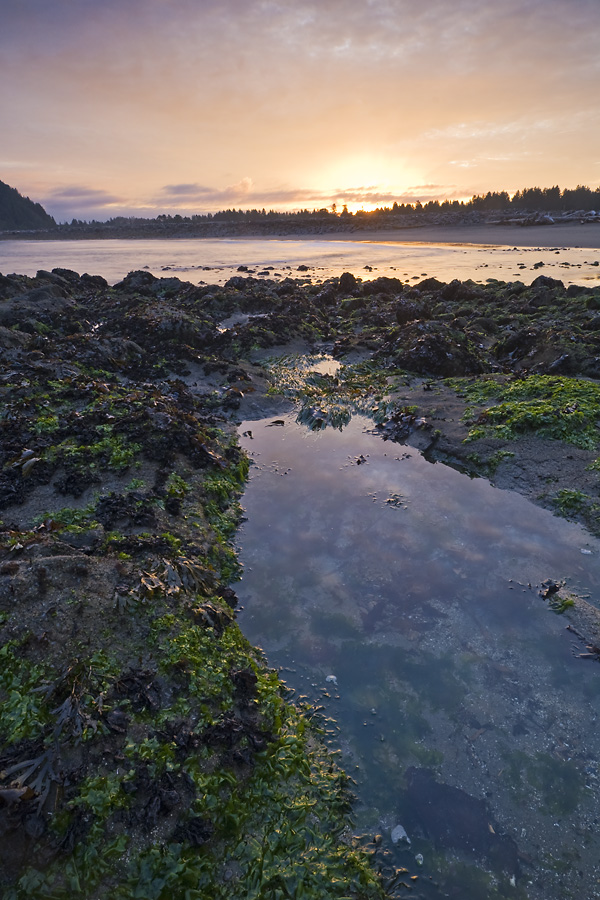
559	604
332	400
568	502
552	407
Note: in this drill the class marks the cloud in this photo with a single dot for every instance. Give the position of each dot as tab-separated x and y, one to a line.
193	94
200	198
87	203
196	198
374	196
186	194
380	35
81	202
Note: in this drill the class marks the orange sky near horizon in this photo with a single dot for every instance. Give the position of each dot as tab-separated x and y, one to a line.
190	106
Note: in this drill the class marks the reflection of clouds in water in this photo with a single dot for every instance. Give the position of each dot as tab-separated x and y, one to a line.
440	593
454	530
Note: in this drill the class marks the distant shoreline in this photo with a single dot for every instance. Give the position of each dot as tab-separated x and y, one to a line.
559	235
574	235
543	236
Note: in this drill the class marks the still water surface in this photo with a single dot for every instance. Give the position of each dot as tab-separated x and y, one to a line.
404	597
214	261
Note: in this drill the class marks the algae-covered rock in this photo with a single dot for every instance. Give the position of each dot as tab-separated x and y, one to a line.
145	747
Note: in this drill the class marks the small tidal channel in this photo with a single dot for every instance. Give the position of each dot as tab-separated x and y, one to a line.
403	597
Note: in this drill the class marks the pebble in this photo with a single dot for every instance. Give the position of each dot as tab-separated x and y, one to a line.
399	834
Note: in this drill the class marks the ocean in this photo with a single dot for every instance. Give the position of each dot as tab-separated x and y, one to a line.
214	261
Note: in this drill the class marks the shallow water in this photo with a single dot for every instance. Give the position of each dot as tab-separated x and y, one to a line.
214	261
404	597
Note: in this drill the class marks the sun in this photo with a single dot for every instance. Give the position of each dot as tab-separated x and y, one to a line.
366	180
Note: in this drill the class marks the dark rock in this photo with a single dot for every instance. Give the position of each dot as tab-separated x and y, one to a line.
74	481
431	349
169	799
541	297
228	595
131	507
173	505
93	281
453	291
347	282
118	721
550	588
456	290
12	488
84	540
546	282
196	831
141	688
10	339
6	286
245	682
578	290
516	345
326	297
237	283
352	304
561	366
67	275
483	323
34	826
383	285
407	311
430	285
43	275
136	281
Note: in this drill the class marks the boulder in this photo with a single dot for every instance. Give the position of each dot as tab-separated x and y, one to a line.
347	282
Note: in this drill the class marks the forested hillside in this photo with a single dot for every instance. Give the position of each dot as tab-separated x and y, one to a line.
21	213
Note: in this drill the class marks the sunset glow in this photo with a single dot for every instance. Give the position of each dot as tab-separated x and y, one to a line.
155	106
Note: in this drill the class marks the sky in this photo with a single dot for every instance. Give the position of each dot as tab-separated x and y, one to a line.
143	107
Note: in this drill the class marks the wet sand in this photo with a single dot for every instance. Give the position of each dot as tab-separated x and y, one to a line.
560	235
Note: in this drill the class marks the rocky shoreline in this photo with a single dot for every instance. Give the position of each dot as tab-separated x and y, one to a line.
143	741
527	228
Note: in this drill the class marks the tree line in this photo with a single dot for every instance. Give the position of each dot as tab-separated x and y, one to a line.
541	199
535	199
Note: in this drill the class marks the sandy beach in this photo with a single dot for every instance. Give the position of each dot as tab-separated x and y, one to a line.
559	235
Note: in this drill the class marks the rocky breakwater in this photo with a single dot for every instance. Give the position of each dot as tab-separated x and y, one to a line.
145	748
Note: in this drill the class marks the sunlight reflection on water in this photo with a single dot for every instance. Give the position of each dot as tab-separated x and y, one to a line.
216	260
